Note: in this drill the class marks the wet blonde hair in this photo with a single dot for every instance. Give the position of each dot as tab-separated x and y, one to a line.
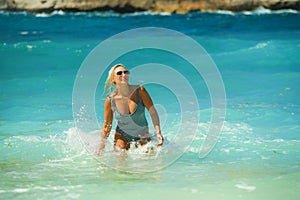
109	83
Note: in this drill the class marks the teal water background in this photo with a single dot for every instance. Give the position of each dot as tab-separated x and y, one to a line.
257	156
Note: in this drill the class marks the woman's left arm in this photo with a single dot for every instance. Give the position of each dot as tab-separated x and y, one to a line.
147	101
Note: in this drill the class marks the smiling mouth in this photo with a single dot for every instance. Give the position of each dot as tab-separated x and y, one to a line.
123	79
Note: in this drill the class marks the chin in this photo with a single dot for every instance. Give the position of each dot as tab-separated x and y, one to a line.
123	82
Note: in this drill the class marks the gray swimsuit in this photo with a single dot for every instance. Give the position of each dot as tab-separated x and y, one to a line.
131	126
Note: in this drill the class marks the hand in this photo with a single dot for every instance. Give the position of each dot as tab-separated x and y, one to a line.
160	140
101	147
98	153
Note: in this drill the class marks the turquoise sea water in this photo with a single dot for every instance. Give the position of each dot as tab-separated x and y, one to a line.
257	154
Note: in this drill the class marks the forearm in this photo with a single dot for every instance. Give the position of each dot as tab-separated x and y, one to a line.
104	135
155	119
108	117
156	124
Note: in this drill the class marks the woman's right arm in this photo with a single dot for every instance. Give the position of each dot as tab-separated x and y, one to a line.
108	117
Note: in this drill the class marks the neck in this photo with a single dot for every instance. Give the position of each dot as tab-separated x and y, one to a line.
123	90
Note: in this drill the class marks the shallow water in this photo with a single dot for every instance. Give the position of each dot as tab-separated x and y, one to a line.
257	154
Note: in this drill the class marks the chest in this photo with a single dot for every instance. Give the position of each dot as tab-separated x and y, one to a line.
126	105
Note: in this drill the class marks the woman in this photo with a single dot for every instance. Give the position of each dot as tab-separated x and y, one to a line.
127	104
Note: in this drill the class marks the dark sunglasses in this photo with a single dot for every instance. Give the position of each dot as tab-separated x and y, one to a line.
119	73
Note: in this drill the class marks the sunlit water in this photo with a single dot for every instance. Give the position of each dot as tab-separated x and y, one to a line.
256	157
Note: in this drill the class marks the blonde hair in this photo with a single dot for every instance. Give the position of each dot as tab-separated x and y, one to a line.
109	83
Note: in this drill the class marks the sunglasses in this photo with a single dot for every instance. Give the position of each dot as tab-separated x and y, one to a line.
119	73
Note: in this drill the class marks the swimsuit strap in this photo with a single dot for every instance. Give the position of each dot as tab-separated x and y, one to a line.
137	94
112	102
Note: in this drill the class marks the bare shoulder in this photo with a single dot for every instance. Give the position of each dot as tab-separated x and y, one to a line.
110	97
145	97
107	100
142	88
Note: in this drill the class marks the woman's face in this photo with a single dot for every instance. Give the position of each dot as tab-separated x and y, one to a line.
121	75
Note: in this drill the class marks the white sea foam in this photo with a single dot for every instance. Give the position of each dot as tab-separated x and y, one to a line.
277	140
259	45
21	190
258	11
43	15
262	11
56	12
244	186
223	12
24	33
236	139
265	157
100	14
